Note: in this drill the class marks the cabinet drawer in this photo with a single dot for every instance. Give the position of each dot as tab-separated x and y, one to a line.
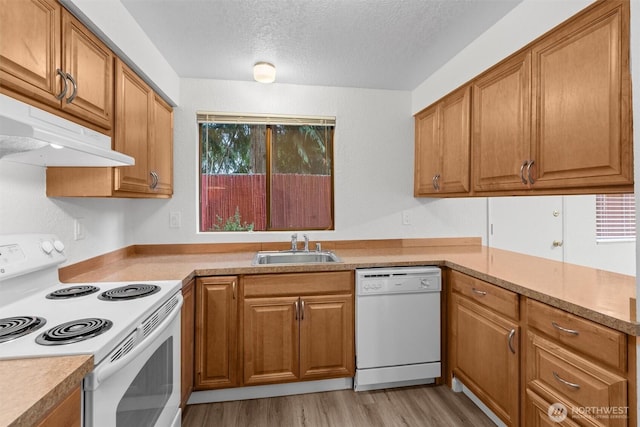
261	285
539	414
561	375
596	341
494	297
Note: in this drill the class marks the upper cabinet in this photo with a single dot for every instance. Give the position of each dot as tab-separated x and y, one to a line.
442	146
49	59
553	118
581	102
501	126
143	130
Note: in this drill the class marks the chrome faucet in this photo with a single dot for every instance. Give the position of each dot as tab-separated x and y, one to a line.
306	242
294	242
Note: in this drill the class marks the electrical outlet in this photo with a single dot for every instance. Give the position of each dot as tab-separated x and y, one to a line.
406	218
79	231
175	220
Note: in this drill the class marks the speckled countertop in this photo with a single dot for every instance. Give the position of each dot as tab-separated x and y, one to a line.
32	387
605	297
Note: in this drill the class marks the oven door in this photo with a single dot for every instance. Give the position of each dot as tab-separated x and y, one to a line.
142	388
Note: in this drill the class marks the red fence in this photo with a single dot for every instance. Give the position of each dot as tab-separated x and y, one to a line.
297	201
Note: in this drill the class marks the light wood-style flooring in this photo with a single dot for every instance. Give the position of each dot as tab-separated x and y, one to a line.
417	406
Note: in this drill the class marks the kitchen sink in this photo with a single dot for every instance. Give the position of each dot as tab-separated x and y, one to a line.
294	257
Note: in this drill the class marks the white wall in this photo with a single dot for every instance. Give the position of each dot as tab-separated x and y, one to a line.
373	165
25	208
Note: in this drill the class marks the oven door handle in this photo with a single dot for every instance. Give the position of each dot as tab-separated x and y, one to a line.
106	369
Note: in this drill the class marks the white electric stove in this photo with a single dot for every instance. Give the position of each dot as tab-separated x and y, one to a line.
132	329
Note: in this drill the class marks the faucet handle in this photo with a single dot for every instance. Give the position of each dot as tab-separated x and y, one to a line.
318	247
294	242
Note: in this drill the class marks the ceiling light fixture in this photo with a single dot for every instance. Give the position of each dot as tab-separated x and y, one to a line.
264	72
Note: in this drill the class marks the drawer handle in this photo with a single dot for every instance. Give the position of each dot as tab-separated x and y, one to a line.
565	382
478	292
568	331
510	341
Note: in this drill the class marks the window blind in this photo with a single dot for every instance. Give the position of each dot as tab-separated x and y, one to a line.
615	217
264	119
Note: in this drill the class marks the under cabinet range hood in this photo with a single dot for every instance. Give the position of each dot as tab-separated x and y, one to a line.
36	137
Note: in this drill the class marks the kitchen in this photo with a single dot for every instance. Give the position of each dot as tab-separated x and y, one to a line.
111	224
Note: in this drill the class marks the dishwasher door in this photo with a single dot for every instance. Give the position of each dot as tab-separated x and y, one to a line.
397	327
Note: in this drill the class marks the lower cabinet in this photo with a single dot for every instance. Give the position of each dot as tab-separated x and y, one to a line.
297	327
68	413
216	326
187	334
590	386
485	356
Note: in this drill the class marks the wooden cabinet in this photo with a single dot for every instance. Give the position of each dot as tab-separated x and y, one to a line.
49	59
484	344
67	413
442	148
187	337
553	118
581	101
216	344
577	363
143	130
297	327
501	126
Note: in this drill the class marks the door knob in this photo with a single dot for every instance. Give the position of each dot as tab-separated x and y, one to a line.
557	243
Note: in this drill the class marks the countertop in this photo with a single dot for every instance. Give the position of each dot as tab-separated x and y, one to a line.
605	297
30	388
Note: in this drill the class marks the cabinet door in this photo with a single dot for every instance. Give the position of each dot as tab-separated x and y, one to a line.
161	147
30	48
581	76
427	152
89	63
216	332
485	356
326	336
442	146
133	118
271	340
68	413
187	338
501	125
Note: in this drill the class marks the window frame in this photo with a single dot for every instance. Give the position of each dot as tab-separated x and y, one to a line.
613	218
269	120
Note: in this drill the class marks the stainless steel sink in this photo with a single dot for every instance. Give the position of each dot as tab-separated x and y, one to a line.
294	257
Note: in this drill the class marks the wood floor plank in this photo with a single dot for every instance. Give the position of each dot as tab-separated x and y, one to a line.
421	406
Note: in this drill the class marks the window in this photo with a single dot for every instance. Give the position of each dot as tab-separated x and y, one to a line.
265	173
615	217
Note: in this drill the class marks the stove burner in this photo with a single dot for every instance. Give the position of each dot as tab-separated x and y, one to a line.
73	291
74	331
15	327
135	290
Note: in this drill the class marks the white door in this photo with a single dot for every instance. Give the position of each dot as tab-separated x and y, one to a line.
531	225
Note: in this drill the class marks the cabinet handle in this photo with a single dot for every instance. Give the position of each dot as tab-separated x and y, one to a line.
63	92
510	341
301	309
568	331
478	292
75	89
522	178
531	180
233	289
436	182
557	243
565	382
296	305
154	180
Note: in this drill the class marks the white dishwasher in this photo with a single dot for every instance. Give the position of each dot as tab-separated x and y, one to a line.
397	327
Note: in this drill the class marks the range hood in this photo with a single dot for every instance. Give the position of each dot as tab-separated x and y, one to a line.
36	137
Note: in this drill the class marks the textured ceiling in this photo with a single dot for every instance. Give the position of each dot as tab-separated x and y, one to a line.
381	44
